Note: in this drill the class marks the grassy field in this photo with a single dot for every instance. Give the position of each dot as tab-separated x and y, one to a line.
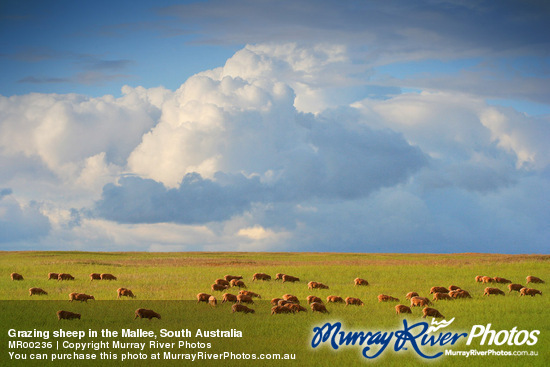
169	282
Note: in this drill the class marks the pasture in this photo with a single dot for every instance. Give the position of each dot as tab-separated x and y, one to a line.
169	282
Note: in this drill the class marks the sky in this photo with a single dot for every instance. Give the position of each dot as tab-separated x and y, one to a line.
246	125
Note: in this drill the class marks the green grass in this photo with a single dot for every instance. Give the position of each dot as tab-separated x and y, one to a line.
169	282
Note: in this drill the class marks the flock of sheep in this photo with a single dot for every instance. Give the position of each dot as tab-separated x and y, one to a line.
289	303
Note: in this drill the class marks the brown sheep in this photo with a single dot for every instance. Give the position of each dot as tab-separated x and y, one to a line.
402	309
124	292
515	287
228	297
318	307
95	276
229	278
295	308
53	276
241	298
82	297
241	308
529	292
250	293
438	289
237	283
315	285
354	301
386	298
143	313
490	290
65	276
275	301
453	288
279	276
532	279
15	276
427	311
359	281
212	301
218	287
106	276
479	279
335	299
290	278
221	282
280	309
487	279
420	301
37	291
291	298
261	276
203	297
459	293
501	280
283	302
440	296
311	299
411	295
67	315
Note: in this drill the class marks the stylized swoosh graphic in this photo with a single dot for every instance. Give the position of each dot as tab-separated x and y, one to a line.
439	325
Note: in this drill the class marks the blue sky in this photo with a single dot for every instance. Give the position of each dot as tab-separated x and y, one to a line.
403	126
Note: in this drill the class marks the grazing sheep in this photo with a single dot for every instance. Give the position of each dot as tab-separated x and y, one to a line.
501	280
295	308
212	301
386	298
529	292
124	292
107	276
311	299
143	313
65	276
318	307
315	285
241	298
453	288
237	283
229	278
53	276
359	281
490	290
250	293
275	301
279	276
95	276
438	289
222	282
261	276
291	298
420	301
487	279
203	297
354	301
283	302
459	293
15	276
411	295
82	297
218	287
37	291
67	315
515	287
427	311
479	279
335	299
532	279
440	296
241	308
290	278
402	309
228	297
280	309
